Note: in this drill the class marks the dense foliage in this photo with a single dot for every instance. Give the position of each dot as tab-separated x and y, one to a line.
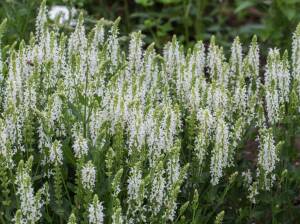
92	133
190	20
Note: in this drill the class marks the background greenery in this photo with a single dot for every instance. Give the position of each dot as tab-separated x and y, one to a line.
272	21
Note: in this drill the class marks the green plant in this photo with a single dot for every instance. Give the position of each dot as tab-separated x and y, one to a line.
93	133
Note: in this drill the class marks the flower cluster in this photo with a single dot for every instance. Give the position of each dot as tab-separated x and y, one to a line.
88	175
96	215
30	203
139	129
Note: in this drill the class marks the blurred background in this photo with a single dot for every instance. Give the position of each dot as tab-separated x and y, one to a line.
190	20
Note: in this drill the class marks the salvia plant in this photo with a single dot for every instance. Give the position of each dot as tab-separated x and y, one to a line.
95	132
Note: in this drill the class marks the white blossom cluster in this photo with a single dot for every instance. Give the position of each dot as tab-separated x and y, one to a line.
267	158
56	153
136	121
88	176
96	215
30	203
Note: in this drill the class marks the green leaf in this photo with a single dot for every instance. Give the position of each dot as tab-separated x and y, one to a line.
144	3
183	208
243	5
3	27
288	9
289	12
169	1
291	1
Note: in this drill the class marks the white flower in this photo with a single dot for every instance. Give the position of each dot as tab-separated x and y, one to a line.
4	151
201	144
72	219
41	21
63	12
247	177
56	155
206	121
220	153
136	195
199	58
253	192
296	54
277	82
95	209
113	43
99	34
267	157
272	103
157	193
96	121
135	53
88	176
236	57
80	146
215	62
134	183
240	98
217	99
56	108
117	217
171	54
31	204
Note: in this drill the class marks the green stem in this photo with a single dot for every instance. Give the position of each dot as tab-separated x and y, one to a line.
85	106
65	187
2	219
11	176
